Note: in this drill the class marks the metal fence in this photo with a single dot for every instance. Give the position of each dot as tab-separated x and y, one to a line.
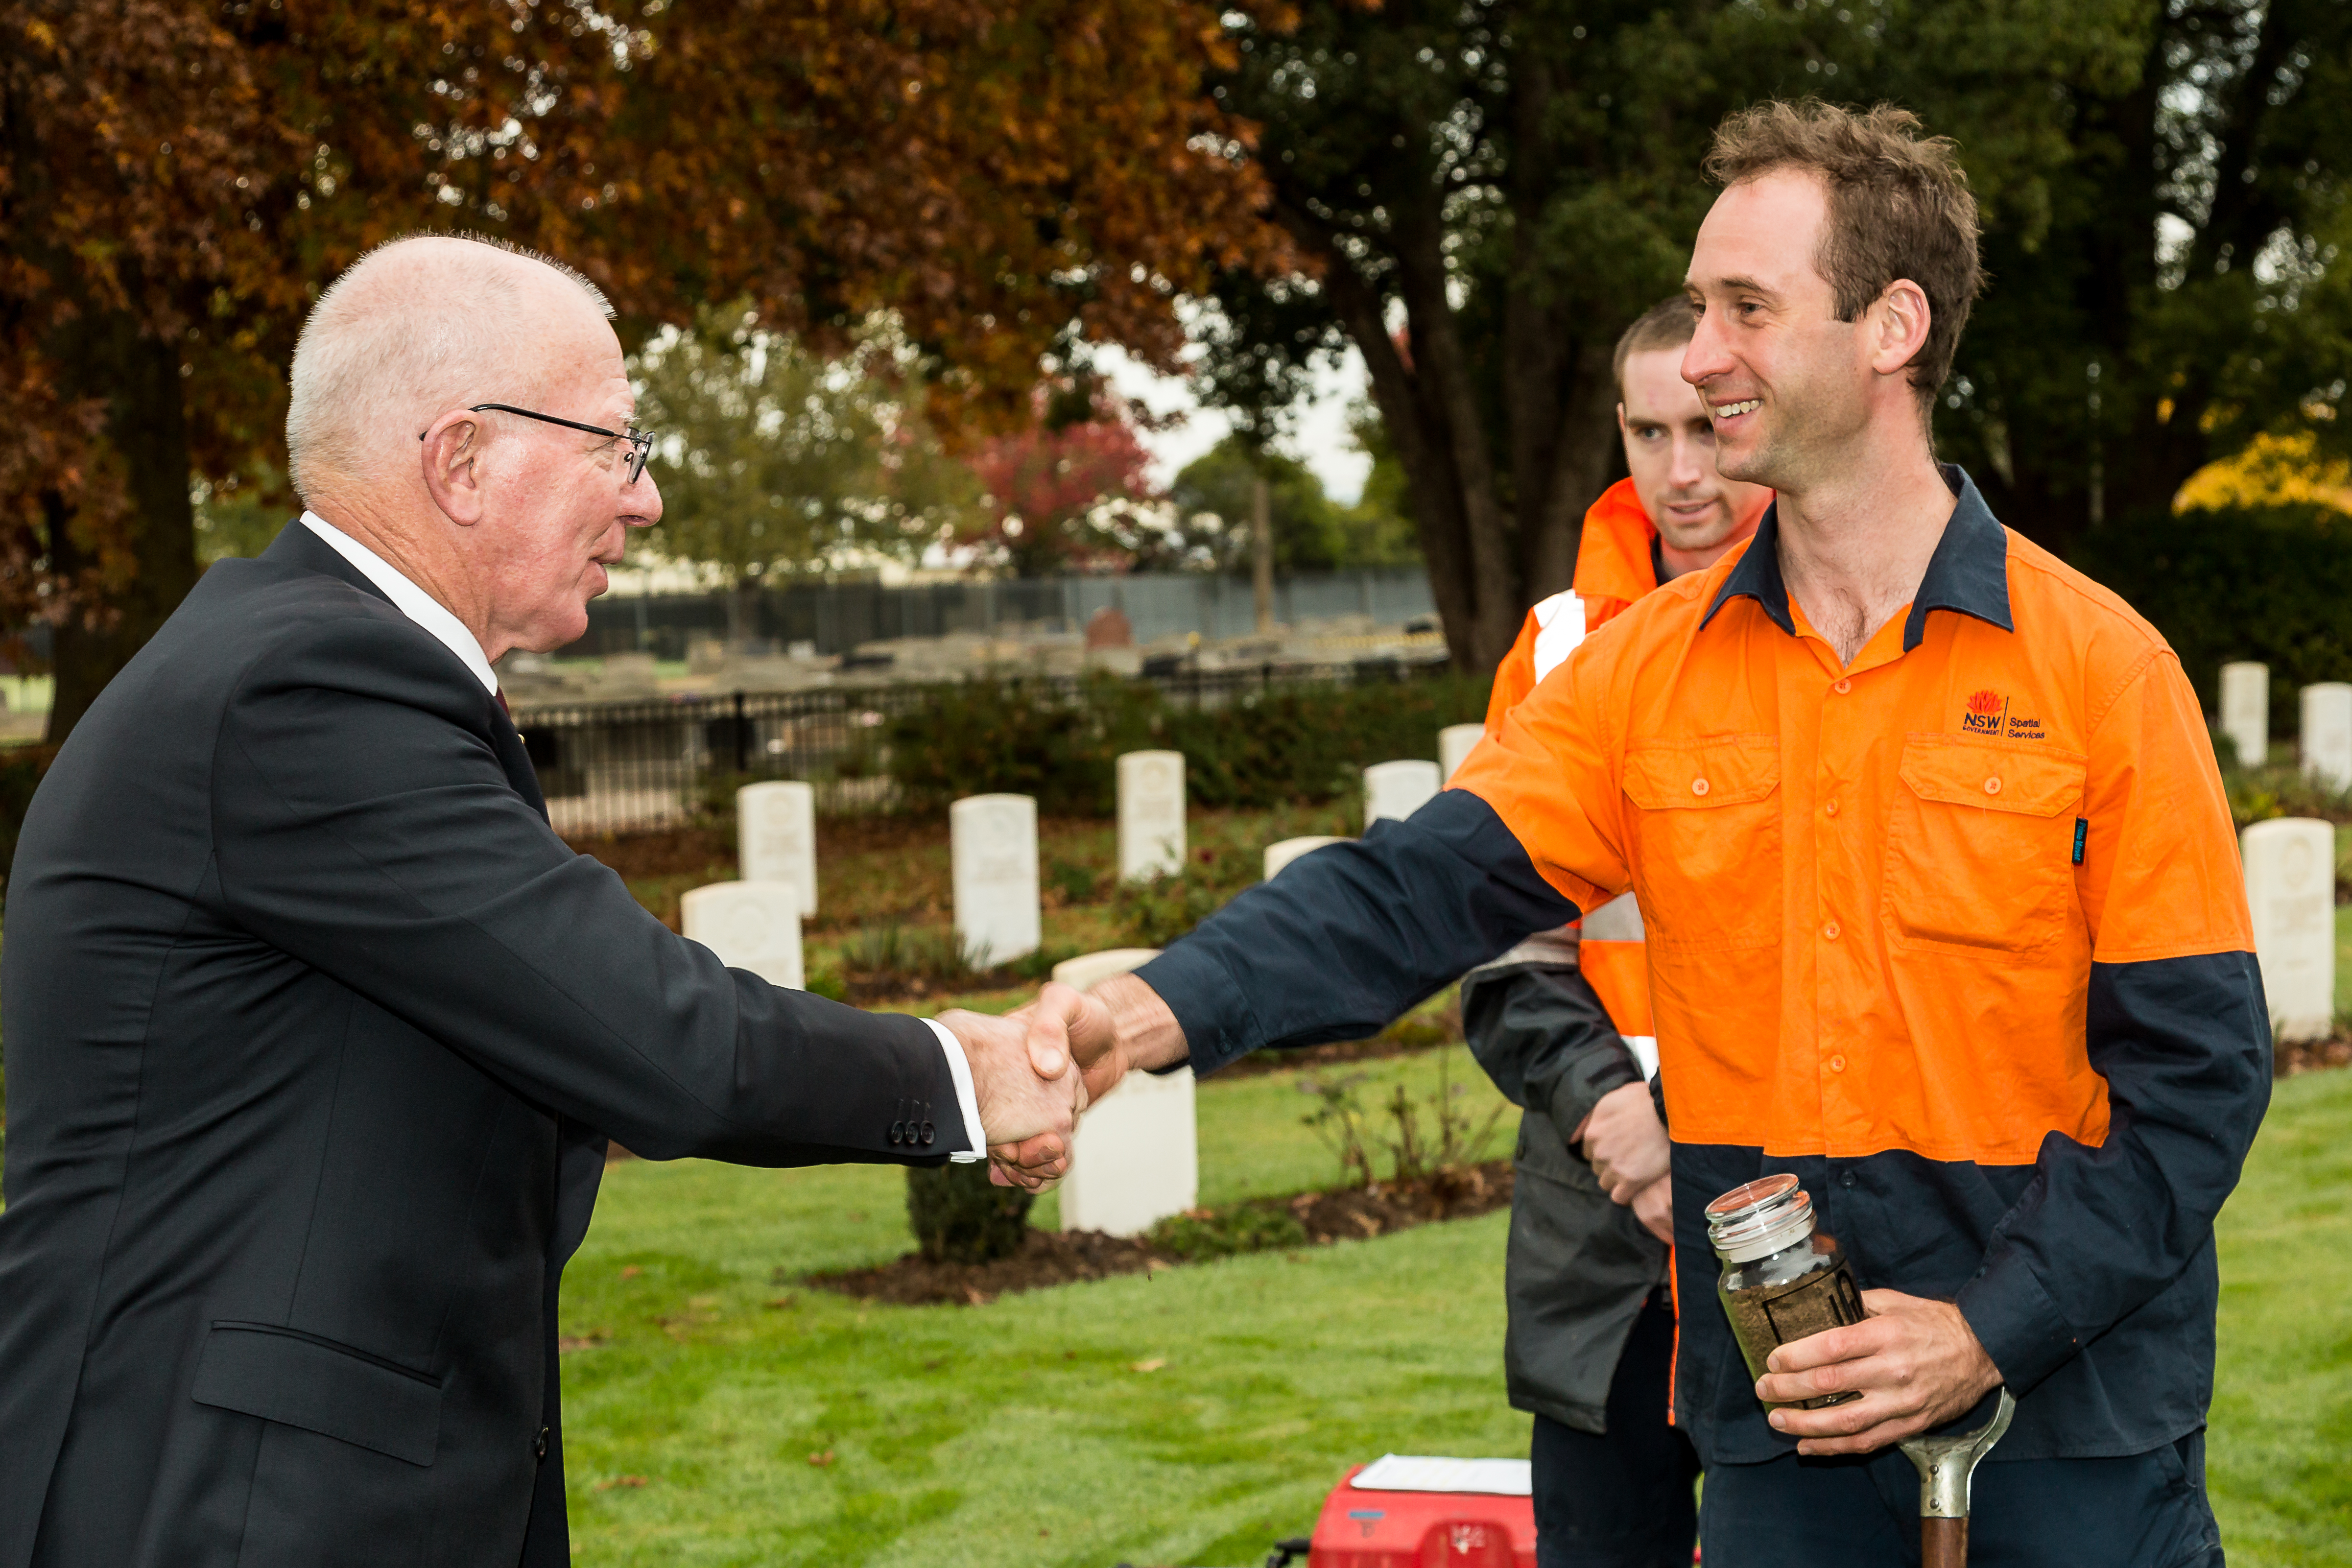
836	618
626	767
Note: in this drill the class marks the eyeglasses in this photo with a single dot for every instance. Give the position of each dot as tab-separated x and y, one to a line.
641	443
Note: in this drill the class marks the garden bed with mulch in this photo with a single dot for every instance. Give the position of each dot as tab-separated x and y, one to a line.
1050	1257
2311	1056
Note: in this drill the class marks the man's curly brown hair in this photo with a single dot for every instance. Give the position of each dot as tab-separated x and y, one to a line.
1899	207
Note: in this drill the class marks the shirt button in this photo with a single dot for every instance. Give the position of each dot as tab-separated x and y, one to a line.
1843	687
1698	786
1831	808
1831	930
1993	787
1837	1064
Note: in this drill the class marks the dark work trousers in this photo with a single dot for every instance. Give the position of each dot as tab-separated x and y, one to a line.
2145	1512
1622	1501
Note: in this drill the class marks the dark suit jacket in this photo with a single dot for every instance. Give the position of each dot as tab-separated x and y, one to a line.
315	1034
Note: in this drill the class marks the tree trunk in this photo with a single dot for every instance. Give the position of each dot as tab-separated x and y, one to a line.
146	428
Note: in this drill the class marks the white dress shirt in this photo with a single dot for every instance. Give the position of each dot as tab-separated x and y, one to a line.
450	631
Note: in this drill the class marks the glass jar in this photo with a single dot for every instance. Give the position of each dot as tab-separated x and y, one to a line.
1782	1280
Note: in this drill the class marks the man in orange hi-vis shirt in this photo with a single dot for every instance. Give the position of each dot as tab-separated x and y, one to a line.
1562	1024
1944	907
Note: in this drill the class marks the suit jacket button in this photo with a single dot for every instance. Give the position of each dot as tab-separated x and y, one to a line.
927	1132
896	1129
538	1445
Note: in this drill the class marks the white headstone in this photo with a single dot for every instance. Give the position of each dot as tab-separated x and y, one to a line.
1136	1159
2291	890
775	838
1151	814
1398	789
1089	970
1454	743
1279	855
2246	710
992	845
749	925
2326	739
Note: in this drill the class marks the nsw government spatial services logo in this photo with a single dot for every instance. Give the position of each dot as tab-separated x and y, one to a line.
1985	711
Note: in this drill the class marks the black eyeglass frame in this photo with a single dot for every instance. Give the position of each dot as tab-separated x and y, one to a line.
641	443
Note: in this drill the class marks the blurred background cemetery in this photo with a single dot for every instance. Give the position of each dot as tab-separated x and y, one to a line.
1107	445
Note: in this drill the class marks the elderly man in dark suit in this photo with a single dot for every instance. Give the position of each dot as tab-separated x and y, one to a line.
316	1031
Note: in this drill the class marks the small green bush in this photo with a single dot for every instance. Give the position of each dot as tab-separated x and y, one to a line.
1287	745
1156	911
2260	583
1226	1233
959	1216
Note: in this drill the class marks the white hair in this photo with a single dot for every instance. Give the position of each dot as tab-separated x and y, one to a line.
416	327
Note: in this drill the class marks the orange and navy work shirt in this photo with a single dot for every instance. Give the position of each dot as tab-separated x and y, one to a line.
1954	931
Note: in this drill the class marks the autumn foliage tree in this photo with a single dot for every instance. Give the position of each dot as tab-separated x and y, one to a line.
1064	490
181	178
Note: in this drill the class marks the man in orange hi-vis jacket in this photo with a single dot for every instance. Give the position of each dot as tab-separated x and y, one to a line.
1562	1023
1944	908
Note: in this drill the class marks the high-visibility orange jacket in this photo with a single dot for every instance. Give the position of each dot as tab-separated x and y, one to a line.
1954	931
1616	564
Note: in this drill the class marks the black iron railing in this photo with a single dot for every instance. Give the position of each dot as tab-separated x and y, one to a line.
626	767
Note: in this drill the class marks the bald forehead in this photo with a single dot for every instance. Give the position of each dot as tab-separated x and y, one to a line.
438	273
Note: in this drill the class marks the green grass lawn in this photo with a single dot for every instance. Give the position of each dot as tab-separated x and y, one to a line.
1025	1433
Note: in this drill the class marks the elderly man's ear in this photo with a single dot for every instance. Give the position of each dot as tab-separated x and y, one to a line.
453	468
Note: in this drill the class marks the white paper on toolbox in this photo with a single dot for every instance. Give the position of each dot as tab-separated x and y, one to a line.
1422	1473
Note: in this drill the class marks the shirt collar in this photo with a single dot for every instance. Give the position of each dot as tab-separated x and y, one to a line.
1968	572
409	599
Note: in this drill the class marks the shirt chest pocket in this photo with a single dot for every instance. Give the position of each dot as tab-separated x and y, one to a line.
1980	846
1707	858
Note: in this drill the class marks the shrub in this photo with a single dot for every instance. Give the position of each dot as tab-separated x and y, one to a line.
2261	583
1226	1233
1287	745
959	1216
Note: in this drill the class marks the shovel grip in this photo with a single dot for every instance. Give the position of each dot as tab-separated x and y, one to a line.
1943	1544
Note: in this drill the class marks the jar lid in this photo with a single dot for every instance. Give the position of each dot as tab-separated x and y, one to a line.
1757	1218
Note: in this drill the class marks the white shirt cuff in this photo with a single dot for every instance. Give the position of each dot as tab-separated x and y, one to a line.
960	1069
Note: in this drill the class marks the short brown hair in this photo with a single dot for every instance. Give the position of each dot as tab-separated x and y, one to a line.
1899	207
1668	324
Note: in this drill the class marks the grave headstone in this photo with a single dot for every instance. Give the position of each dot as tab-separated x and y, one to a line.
1151	814
775	838
1136	1158
749	925
1398	789
2326	739
2246	710
1279	855
2291	891
993	847
1454	743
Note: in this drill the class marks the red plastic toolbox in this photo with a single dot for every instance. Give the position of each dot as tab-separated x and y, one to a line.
1401	1528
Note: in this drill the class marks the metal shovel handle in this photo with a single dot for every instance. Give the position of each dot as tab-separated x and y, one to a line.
1946	1466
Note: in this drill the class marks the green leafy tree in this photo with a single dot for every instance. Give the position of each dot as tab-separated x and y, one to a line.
1213	496
1491	191
776	462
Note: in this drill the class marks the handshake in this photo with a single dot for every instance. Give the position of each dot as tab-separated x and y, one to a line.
1036	1070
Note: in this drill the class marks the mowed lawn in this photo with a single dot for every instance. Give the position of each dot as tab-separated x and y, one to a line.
1197	1415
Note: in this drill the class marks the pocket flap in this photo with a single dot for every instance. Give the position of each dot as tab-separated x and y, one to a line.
1958	771
1725	770
301	1380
